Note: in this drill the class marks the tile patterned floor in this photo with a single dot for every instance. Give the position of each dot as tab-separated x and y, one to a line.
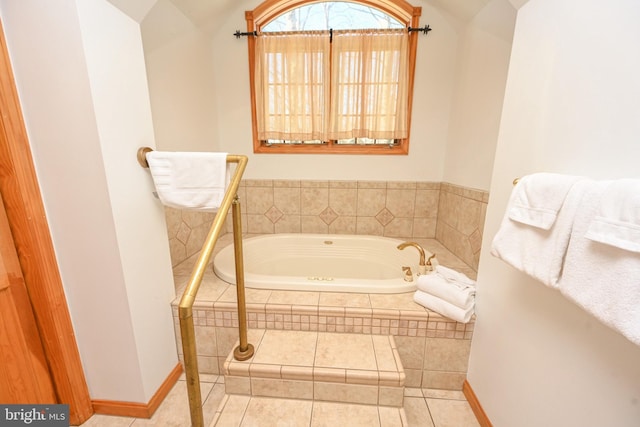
422	408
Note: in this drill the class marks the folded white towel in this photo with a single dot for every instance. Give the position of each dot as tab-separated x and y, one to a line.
440	306
454	276
537	198
457	291
191	180
617	222
533	250
602	279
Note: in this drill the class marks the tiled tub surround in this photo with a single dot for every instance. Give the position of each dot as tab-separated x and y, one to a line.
451	214
434	350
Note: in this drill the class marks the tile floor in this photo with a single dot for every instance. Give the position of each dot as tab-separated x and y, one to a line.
422	408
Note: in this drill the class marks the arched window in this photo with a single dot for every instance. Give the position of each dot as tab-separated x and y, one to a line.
332	77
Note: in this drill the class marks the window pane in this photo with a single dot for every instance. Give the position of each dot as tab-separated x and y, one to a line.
366	141
292	142
336	15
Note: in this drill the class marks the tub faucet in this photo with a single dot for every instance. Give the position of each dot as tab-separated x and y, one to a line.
425	264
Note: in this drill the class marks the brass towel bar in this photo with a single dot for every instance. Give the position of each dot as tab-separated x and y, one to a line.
244	350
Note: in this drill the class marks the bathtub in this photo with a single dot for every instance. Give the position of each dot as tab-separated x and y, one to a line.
321	262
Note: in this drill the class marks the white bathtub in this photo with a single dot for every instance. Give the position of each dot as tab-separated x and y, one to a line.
321	262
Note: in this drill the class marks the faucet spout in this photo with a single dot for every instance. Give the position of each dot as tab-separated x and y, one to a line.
425	264
423	257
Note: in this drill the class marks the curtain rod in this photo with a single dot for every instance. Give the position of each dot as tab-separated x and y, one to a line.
424	30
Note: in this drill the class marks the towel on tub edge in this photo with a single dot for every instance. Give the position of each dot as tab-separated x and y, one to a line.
449	285
444	308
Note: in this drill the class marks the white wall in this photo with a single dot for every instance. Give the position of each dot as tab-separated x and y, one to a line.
480	82
81	79
571	106
231	112
180	58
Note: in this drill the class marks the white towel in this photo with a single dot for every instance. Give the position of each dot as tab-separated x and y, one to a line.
449	285
443	307
602	279
190	180
534	250
454	276
617	222
537	198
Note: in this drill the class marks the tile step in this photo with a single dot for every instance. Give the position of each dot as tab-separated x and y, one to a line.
338	367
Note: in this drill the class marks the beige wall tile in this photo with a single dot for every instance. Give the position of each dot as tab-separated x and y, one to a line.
259	224
259	200
369	225
313	200
313	224
427	203
173	218
413	377
401	202
351	393
344	201
237	385
399	227
370	201
444	354
343	225
282	388
208	365
287	199
384	354
443	380
411	350
288	224
206	340
424	228
391	396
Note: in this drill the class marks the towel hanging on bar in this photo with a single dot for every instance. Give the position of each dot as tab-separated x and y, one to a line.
189	180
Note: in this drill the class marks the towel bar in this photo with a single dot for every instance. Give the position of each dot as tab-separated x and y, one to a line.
244	350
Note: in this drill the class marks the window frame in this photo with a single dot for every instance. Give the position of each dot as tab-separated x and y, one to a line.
267	11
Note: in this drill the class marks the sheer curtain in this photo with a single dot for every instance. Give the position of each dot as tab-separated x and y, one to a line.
369	83
308	88
292	85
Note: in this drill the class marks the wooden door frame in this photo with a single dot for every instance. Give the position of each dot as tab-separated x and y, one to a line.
28	222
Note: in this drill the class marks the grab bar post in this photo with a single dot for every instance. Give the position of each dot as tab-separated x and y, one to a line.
245	350
187	332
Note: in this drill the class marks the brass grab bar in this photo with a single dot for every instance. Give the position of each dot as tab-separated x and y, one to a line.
244	350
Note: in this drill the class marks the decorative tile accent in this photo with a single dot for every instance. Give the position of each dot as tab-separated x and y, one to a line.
384	217
274	214
328	216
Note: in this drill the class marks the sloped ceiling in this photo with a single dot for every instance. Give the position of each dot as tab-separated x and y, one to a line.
200	12
136	10
165	20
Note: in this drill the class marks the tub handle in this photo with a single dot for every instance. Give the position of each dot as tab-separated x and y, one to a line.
408	275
